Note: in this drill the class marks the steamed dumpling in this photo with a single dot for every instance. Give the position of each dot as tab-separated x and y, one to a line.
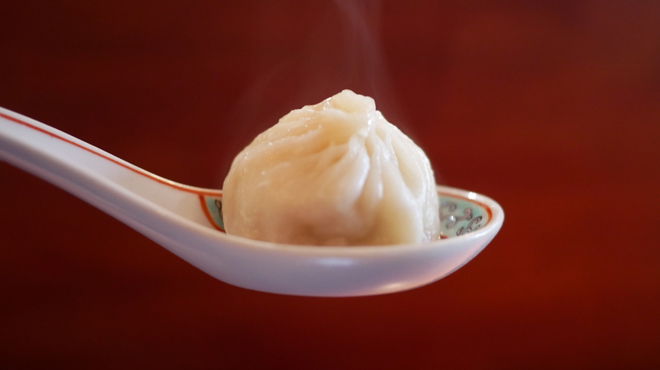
334	173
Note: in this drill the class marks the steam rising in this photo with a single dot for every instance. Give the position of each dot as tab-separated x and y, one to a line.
364	53
336	47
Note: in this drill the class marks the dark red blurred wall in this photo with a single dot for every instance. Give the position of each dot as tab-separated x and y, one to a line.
550	107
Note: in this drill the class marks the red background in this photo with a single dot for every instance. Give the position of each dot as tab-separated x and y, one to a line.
550	107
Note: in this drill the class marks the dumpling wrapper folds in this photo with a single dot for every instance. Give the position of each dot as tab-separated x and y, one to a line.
335	173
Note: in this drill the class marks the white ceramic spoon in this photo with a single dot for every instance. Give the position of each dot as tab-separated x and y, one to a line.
187	220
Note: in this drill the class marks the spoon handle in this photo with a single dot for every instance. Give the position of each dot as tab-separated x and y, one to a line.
111	184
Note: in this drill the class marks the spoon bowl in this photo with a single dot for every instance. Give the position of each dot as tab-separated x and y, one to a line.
187	221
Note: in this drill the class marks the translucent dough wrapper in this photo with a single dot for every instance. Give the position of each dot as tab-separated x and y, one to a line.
334	173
